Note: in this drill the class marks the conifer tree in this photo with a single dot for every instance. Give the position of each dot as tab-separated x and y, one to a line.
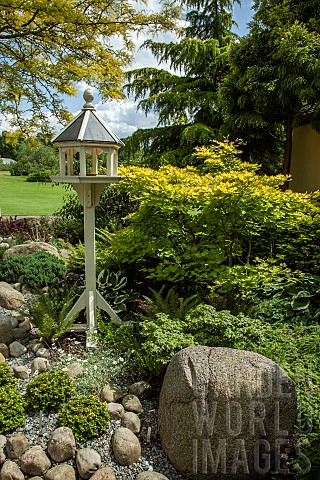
185	98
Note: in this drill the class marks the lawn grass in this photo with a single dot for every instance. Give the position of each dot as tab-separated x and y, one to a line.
18	197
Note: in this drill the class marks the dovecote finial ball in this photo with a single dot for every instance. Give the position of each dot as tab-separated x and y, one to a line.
88	96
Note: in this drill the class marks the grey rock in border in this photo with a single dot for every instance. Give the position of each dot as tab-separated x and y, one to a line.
16	349
11	471
19	334
141	389
16	446
88	462
126	446
151	476
31	247
116	410
43	352
3	441
7	324
4	349
39	365
131	403
132	421
35	461
20	371
221	407
2	456
111	394
61	472
62	444
10	298
105	473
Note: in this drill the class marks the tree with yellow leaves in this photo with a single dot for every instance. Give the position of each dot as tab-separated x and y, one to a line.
48	46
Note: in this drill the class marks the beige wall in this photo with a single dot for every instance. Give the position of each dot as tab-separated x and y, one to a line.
305	160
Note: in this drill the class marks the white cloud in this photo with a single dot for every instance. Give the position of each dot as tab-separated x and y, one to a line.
122	116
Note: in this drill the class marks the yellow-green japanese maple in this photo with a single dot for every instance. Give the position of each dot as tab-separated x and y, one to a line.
191	222
46	47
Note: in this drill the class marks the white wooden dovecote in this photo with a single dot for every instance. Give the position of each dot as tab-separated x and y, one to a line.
87	147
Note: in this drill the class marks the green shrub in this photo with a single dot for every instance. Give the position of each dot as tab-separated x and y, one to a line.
87	417
12	407
161	338
6	376
39	176
49	390
156	339
222	329
38	270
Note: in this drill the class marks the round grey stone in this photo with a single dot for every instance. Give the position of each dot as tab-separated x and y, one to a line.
20	371
88	462
131	403
132	421
61	472
4	349
126	446
17	349
19	334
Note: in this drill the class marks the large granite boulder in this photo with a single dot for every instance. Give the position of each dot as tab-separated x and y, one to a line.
225	414
31	247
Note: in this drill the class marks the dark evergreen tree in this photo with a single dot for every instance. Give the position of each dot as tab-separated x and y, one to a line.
274	78
185	100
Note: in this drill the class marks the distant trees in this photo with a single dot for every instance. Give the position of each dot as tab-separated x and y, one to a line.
34	157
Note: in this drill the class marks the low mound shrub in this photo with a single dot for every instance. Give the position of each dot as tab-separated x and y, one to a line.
6	376
49	390
86	415
12	407
37	270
